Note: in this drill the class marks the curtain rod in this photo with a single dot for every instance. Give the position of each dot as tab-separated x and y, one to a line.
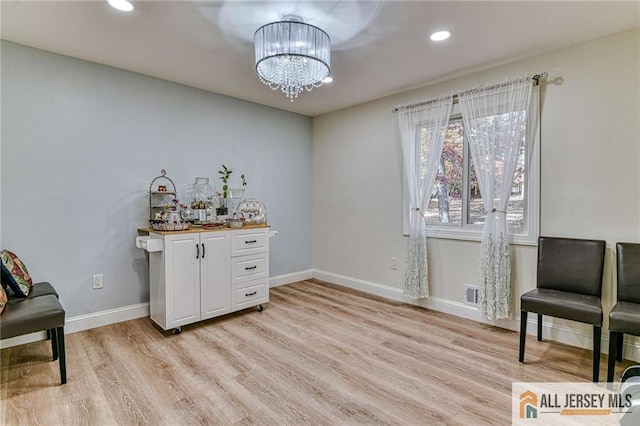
536	78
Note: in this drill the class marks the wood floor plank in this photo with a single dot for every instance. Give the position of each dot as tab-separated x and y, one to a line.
302	371
318	354
368	358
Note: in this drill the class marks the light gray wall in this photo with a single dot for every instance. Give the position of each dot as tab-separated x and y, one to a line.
590	164
81	143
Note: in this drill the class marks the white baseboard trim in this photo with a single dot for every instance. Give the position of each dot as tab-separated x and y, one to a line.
290	278
85	322
126	313
550	331
560	333
108	317
394	293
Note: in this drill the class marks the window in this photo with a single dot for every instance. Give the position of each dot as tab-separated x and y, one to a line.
456	210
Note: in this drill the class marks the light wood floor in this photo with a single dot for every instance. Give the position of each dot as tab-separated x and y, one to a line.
317	354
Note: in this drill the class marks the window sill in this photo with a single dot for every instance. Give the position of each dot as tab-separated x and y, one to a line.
476	235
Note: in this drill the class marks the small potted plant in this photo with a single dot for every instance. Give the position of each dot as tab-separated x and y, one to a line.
225	175
221	210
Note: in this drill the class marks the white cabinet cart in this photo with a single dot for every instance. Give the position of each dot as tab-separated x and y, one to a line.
200	274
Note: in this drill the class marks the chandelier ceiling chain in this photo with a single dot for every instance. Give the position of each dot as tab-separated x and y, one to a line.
292	56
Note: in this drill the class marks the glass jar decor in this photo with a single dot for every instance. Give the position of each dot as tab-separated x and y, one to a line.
253	211
200	197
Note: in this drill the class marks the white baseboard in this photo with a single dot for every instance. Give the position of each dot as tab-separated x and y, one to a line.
108	317
125	313
290	278
550	331
85	322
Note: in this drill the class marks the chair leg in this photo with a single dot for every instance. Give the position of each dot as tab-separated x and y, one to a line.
613	347
523	333
62	361
620	346
539	327
48	334
597	331
54	342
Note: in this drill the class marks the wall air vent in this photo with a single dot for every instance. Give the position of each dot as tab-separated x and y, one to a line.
471	296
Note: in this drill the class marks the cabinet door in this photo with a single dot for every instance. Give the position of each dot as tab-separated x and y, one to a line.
182	279
215	274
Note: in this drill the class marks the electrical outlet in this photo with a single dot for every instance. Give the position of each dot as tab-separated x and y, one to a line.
98	281
394	263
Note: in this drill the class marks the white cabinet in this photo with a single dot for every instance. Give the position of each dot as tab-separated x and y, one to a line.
215	281
174	294
249	268
204	274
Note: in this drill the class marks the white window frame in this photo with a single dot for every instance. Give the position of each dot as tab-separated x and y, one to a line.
528	234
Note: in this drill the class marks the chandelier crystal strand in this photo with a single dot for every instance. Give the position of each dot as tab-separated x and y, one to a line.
292	56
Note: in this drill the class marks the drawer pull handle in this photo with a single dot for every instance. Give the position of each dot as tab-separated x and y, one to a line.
251	294
248	268
203	250
250	241
197	251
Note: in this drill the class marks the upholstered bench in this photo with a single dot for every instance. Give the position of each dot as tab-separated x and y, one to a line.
39	311
42	289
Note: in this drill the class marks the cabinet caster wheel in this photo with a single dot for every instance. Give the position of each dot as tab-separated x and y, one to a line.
259	308
177	330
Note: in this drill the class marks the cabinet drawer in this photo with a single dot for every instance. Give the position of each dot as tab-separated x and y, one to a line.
251	241
249	268
253	294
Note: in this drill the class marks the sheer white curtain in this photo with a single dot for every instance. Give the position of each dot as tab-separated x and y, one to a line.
495	123
422	132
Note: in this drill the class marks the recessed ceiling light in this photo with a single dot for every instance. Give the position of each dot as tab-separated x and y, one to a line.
327	80
123	5
441	35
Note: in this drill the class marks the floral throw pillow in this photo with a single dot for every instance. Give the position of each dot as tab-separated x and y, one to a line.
14	274
3	299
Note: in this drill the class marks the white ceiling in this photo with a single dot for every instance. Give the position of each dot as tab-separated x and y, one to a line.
379	48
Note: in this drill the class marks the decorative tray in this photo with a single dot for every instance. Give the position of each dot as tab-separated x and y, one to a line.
169	226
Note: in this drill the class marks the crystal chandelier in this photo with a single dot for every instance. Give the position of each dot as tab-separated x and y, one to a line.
292	56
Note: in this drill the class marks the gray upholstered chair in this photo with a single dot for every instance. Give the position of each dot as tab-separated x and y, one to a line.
624	318
569	286
39	311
